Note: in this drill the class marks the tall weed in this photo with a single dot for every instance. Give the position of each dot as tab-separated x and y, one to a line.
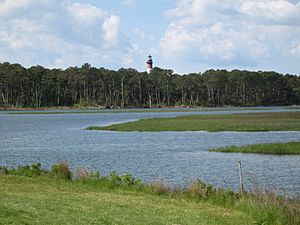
61	170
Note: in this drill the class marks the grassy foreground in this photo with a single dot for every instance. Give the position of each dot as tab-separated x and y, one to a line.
290	148
277	121
30	195
42	201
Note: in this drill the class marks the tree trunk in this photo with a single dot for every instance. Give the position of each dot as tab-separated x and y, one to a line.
122	92
150	100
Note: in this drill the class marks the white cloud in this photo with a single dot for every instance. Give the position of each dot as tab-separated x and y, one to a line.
11	8
7	6
276	11
60	33
111	27
225	33
86	14
217	33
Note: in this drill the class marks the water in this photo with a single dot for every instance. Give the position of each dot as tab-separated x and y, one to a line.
176	157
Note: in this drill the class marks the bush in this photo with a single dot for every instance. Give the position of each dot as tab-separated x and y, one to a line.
129	180
94	176
29	171
201	189
36	168
61	170
114	179
126	180
3	170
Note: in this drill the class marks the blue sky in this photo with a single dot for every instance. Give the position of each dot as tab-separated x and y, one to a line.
183	35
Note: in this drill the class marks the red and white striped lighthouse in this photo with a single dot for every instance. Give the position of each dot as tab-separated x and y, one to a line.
149	64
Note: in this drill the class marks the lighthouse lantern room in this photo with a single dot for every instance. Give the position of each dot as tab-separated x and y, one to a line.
149	64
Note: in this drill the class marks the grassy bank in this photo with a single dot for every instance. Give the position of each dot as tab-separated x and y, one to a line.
290	148
43	201
30	195
288	121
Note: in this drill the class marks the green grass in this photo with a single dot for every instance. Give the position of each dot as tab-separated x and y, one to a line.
289	148
42	201
277	121
30	195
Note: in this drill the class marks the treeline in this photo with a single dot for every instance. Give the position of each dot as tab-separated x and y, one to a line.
89	86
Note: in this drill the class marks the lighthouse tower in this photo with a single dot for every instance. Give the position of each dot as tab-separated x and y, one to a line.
149	64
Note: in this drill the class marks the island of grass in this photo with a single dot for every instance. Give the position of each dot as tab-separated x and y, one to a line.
290	148
30	195
273	121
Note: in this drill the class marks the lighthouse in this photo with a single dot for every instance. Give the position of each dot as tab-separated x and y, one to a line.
149	64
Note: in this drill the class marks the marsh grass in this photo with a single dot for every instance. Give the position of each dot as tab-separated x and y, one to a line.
290	148
275	121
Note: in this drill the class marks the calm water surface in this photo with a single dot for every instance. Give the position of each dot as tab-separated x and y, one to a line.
176	157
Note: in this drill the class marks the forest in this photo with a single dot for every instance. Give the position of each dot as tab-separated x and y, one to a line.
84	86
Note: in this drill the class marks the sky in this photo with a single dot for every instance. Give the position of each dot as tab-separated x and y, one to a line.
183	35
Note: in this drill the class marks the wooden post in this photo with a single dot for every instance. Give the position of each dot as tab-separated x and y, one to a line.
241	176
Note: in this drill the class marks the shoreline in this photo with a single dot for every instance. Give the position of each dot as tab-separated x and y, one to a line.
145	108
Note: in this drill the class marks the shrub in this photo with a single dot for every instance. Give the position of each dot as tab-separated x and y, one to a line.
29	171
198	189
3	170
94	176
218	196
61	170
36	169
114	179
128	180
